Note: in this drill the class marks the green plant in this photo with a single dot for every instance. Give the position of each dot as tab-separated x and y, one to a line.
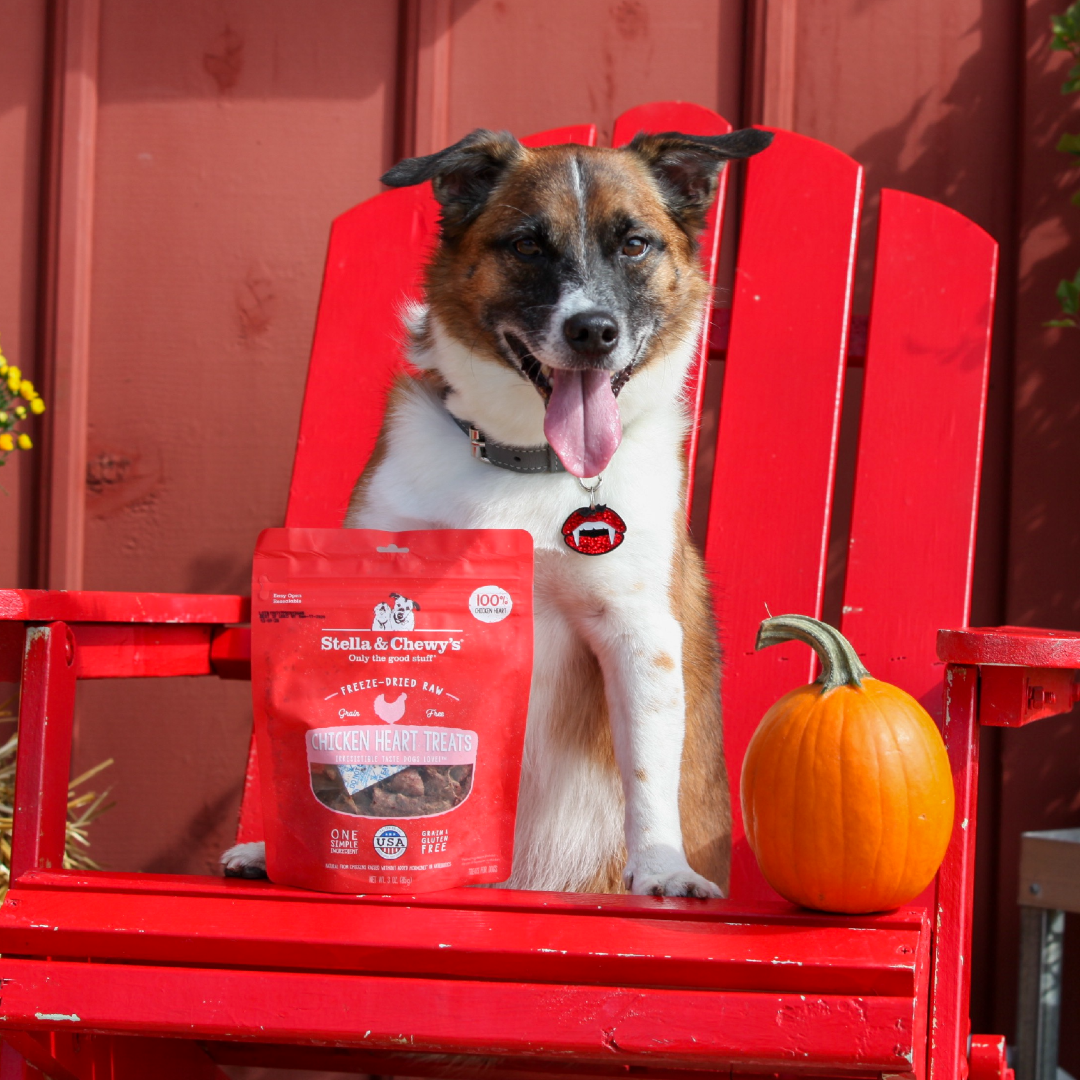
17	398
1066	38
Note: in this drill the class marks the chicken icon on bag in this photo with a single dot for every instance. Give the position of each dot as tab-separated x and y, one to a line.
390	711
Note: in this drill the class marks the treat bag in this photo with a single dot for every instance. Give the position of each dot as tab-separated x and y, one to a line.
390	678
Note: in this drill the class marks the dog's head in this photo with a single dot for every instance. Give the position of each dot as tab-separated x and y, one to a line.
403	607
571	267
382	612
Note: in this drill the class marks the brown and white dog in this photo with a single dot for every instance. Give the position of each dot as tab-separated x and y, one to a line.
563	308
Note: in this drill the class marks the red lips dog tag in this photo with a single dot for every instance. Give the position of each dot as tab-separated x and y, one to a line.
593	530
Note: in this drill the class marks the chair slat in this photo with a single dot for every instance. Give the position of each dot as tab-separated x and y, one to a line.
691	120
779	420
825	1034
374	266
250	928
920	441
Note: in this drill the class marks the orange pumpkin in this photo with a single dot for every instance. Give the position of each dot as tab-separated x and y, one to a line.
847	794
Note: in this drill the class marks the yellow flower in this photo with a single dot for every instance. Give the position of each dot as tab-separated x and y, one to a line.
3	417
24	442
13	382
3	368
26	390
6	442
20	412
37	406
14	373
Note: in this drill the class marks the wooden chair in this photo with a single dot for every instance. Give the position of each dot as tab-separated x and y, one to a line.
138	975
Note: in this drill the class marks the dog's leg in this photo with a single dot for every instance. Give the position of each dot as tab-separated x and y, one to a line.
245	860
639	646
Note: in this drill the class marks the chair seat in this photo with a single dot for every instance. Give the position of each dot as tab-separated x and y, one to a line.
498	971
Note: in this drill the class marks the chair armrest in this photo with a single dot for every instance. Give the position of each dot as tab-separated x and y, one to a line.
46	605
1025	673
124	635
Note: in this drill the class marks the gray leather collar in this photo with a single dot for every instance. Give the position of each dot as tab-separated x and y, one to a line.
526	459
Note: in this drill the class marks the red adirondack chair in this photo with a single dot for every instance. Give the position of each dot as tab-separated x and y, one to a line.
140	975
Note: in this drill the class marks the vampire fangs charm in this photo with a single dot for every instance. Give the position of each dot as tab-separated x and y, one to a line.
593	529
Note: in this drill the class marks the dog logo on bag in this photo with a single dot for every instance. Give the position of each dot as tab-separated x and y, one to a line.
390	841
402	616
383	615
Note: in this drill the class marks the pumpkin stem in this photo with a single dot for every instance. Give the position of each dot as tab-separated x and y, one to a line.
840	664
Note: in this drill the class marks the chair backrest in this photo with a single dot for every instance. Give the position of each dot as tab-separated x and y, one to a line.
913	518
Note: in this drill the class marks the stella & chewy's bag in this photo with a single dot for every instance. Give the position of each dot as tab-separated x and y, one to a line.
390	676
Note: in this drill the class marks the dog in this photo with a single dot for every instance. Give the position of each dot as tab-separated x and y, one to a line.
403	616
382	618
563	307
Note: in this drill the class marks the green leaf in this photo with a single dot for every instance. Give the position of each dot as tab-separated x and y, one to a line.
1060	322
1068	294
1075	200
1069	144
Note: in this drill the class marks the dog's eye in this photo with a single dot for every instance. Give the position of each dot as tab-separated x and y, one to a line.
527	246
635	246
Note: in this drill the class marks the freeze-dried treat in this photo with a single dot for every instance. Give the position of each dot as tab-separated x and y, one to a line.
410	792
390	756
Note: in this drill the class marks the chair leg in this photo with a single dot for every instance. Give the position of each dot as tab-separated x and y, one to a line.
13	1066
949	978
1042	933
33	1054
131	1057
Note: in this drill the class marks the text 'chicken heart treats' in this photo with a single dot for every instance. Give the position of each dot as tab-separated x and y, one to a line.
390	676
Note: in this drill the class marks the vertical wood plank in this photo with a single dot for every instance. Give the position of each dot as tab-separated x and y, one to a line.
771	78
67	257
692	120
46	712
779	421
912	546
432	124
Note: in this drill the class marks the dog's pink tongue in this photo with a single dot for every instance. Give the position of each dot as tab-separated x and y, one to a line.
582	421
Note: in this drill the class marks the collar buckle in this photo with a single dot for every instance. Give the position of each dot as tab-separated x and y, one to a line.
478	444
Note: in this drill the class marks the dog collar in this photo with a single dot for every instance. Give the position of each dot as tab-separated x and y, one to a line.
526	459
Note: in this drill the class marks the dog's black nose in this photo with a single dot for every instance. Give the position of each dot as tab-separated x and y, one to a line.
594	332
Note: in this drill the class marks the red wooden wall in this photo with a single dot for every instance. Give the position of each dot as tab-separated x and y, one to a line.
168	173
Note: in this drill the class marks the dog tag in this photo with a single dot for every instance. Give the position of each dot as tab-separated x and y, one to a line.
594	530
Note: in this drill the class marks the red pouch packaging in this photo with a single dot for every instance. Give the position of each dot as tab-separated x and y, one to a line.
390	677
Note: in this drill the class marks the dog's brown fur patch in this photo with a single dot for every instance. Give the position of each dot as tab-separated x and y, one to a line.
704	799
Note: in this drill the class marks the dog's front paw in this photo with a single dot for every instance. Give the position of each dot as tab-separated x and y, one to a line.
666	873
245	860
681	883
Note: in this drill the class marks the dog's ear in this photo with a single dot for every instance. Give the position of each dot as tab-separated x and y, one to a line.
395	596
462	175
415	605
687	167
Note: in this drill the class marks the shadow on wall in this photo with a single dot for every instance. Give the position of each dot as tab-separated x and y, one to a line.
1045	567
